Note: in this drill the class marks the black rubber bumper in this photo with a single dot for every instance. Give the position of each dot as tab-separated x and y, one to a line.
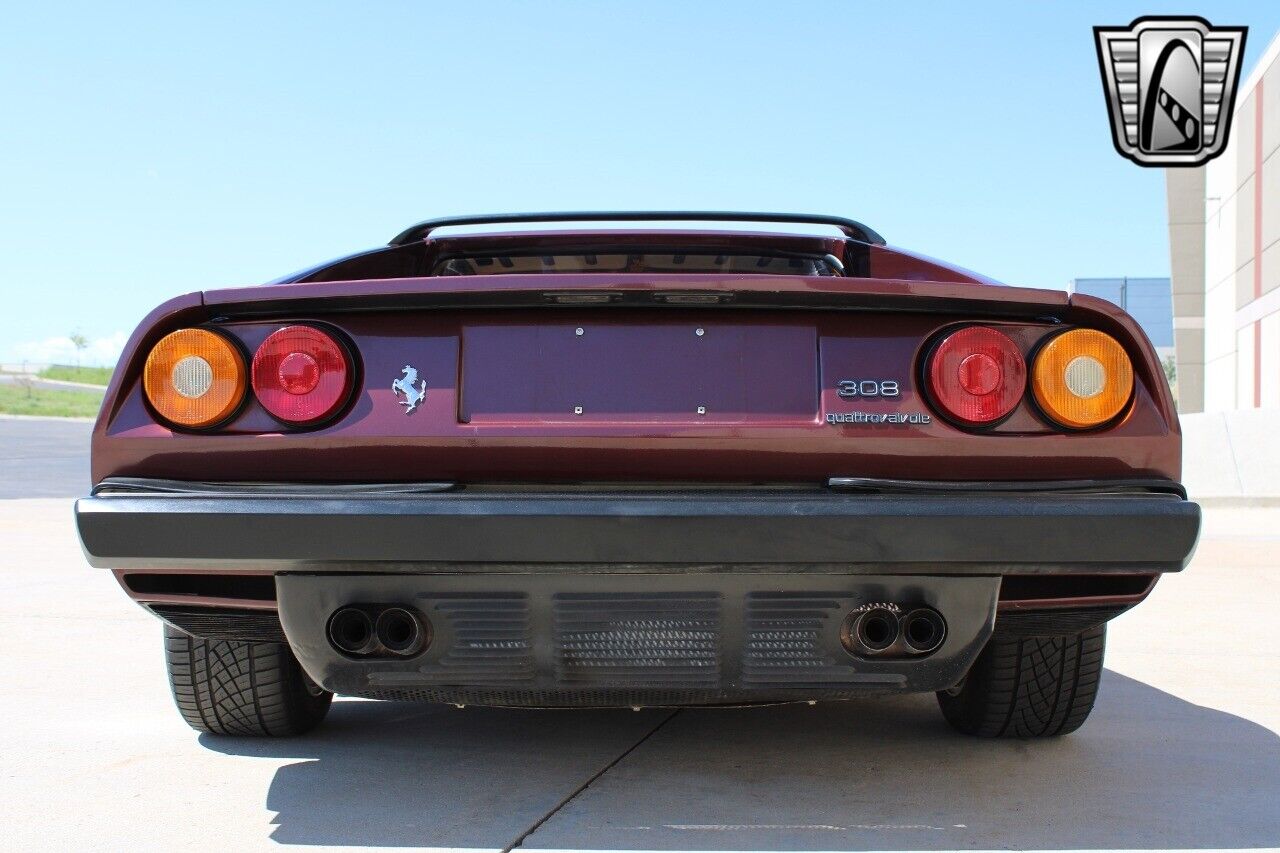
355	530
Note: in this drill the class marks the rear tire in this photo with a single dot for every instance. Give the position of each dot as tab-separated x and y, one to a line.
248	689
1028	686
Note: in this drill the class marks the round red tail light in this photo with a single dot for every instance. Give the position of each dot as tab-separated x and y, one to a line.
301	375
977	375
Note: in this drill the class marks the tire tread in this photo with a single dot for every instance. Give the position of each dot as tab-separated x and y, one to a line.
1026	687
226	687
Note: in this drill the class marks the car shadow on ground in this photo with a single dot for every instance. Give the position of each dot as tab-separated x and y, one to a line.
1149	770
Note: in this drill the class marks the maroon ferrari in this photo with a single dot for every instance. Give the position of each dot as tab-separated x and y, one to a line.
643	467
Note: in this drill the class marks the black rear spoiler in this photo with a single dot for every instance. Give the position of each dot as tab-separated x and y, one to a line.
851	229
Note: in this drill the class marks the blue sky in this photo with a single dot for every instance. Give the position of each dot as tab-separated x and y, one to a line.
154	150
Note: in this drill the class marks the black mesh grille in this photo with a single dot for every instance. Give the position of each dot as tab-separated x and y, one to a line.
789	639
637	638
599	698
547	698
586	636
488	639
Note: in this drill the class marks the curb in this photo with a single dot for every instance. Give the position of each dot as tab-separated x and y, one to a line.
61	383
1236	501
4	417
65	384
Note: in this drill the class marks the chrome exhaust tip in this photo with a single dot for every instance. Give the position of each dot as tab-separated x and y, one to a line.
870	631
400	631
923	630
351	631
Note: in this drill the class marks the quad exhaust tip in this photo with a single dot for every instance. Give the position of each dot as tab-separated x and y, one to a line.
923	630
384	630
351	631
878	630
400	631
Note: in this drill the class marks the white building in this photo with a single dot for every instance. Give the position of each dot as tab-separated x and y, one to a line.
1224	234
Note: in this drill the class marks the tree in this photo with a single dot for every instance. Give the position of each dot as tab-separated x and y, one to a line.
1171	374
81	343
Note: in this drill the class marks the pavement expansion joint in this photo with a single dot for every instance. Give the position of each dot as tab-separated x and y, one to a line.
572	795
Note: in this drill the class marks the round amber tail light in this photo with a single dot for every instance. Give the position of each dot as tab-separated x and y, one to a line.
194	378
1082	378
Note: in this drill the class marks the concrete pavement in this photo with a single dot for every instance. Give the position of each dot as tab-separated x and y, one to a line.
43	457
1183	750
1229	458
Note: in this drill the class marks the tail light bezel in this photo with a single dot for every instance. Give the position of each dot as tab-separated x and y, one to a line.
354	377
1031	348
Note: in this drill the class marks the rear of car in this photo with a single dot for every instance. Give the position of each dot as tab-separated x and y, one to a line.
633	468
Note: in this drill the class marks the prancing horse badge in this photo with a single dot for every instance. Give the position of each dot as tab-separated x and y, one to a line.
413	388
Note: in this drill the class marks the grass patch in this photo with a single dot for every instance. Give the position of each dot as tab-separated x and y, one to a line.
67	373
16	399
